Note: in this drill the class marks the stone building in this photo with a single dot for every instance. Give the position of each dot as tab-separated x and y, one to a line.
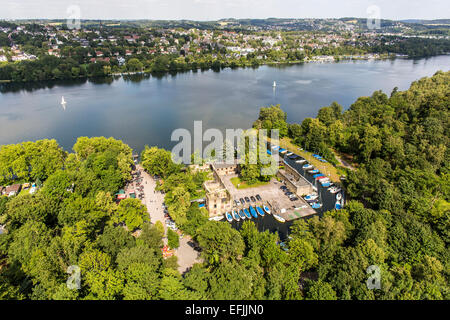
222	168
218	198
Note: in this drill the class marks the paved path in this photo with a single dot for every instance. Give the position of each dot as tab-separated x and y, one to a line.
153	199
187	256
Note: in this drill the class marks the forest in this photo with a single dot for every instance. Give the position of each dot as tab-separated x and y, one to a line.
397	217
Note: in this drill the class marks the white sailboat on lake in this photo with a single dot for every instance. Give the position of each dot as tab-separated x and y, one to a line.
63	103
274	84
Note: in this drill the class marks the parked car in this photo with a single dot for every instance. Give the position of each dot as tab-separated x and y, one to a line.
258	197
288	193
191	244
294	199
247	199
242	201
283	187
236	202
253	198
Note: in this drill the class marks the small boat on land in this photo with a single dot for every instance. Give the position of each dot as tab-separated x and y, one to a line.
275	147
266	209
307	166
229	217
339	196
337	206
253	212
236	215
326	184
247	214
311	197
313	171
283	150
218	218
320	177
241	214
300	161
316	205
289	154
260	211
324	179
279	219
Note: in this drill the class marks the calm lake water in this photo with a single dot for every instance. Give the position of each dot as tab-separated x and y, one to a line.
145	111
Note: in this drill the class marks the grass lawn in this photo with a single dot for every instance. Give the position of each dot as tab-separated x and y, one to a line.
236	181
326	168
24	192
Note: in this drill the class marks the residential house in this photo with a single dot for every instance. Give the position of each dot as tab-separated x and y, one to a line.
13	190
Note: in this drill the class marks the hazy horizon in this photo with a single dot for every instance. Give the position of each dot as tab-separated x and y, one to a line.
212	10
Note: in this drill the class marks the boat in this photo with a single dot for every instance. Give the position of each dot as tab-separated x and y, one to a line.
218	218
63	102
275	147
323	180
300	161
282	150
316	205
289	154
235	215
313	171
241	214
334	189
339	196
337	206
247	214
320	177
266	209
229	217
326	184
253	212
311	197
260	211
307	166
279	219
274	84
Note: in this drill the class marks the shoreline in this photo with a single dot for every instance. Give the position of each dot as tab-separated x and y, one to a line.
329	59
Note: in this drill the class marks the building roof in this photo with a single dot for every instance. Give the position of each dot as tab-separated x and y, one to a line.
222	165
13	188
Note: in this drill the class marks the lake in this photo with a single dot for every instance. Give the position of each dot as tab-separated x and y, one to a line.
145	110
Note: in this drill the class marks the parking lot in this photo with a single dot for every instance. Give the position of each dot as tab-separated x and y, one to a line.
272	193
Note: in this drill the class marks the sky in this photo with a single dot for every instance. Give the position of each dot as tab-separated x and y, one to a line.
204	10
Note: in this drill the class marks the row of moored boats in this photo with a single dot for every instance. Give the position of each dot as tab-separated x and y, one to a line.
251	212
